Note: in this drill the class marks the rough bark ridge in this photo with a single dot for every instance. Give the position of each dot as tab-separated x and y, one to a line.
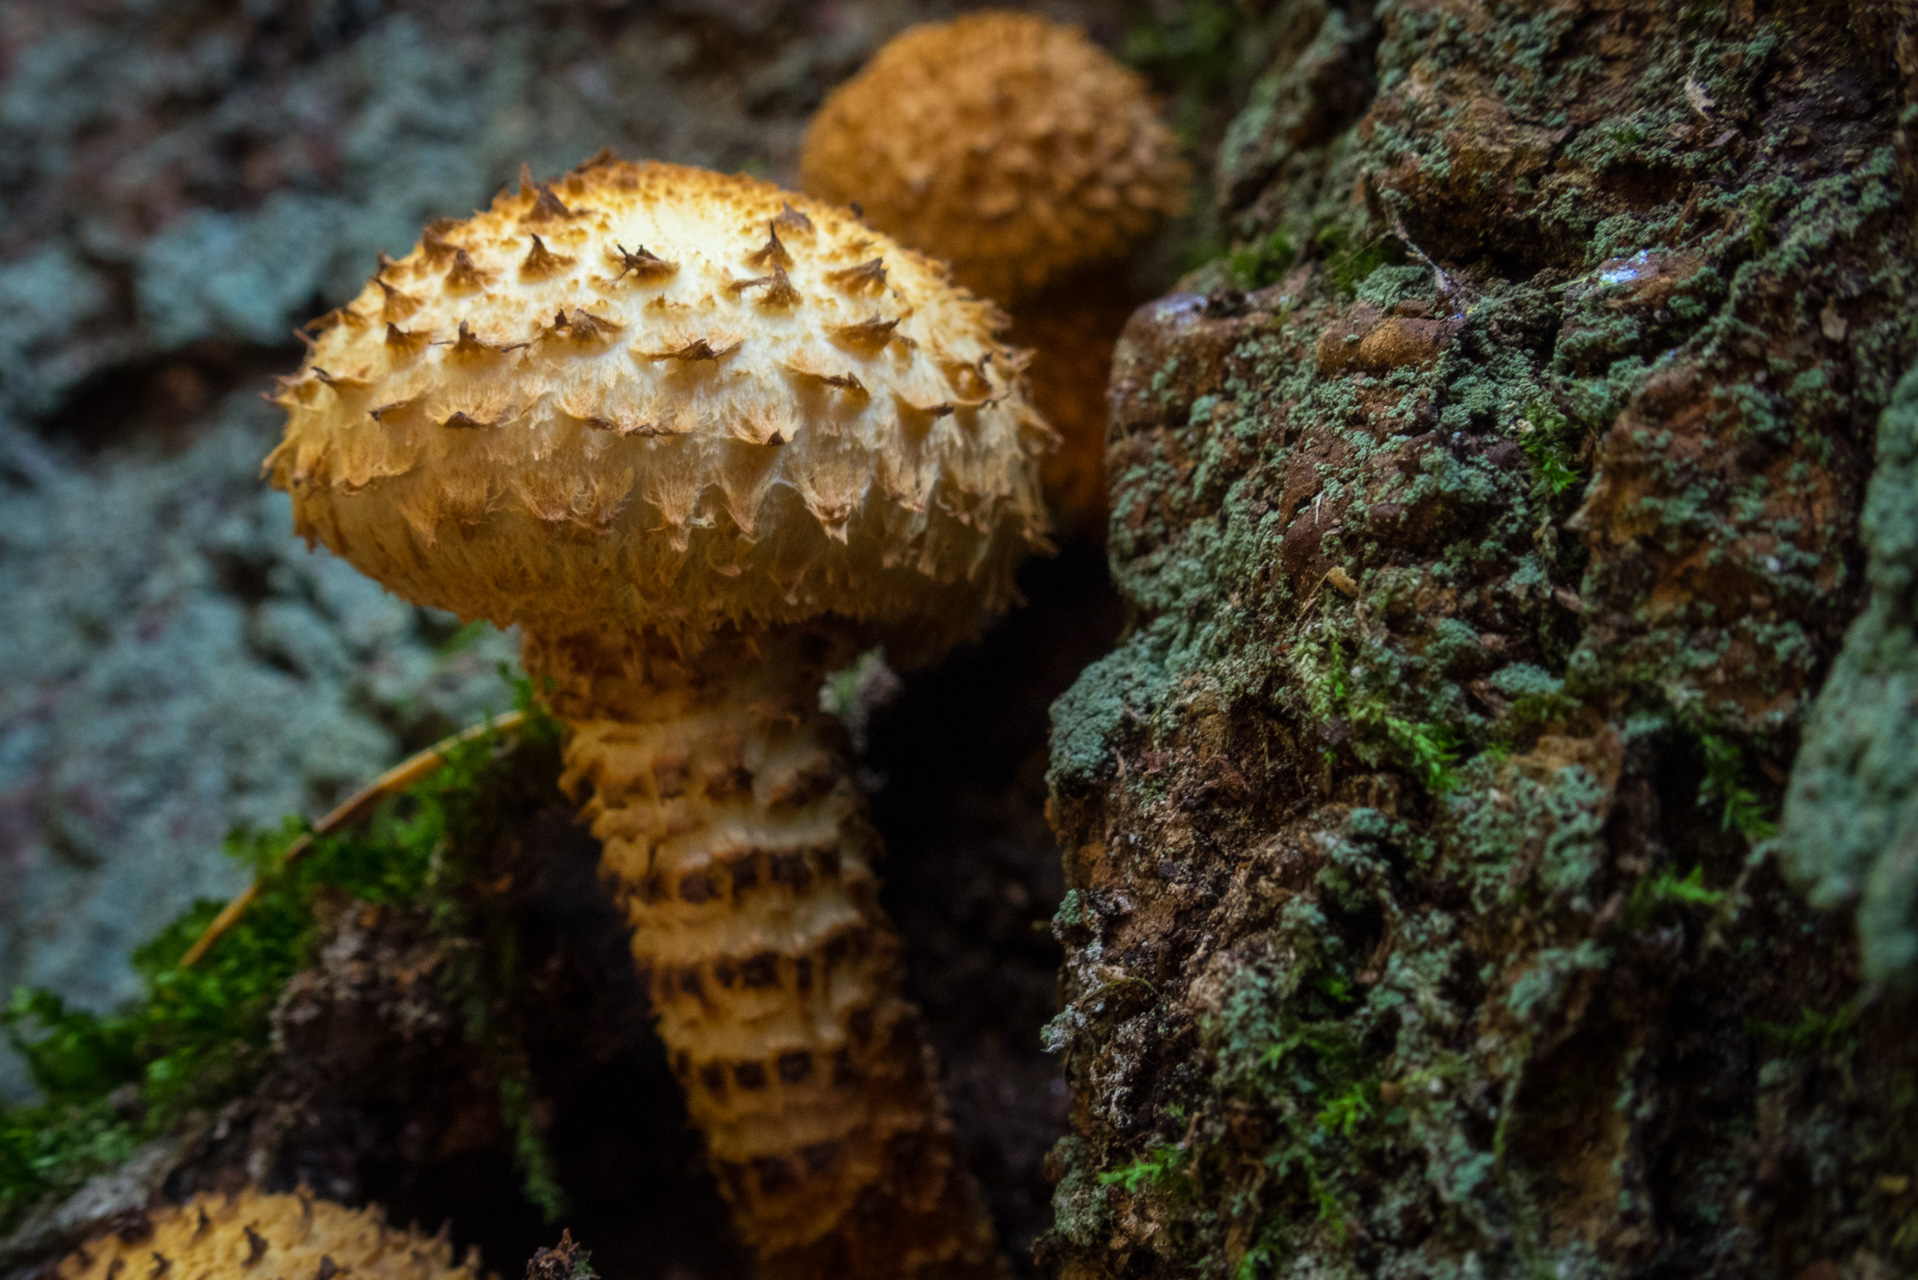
1488	517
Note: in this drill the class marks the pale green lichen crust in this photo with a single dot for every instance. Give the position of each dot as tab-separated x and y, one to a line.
1850	830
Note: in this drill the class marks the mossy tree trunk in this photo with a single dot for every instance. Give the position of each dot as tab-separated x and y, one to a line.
1490	519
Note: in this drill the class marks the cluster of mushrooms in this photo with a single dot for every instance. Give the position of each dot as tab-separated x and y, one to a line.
1020	153
704	441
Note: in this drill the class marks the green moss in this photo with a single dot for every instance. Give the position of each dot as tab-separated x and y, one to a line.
201	1035
1195	52
465	636
1348	265
1362	1099
1815	1032
1725	784
1195	40
1158	1168
1366	699
1550	441
1295	1042
1653	894
1262	263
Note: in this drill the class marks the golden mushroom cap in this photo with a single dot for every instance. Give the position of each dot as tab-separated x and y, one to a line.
653	396
1003	142
253	1235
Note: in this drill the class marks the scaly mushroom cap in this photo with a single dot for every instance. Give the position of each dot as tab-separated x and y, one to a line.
654	396
253	1235
1003	142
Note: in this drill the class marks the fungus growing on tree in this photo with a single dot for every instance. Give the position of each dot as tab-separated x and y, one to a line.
1005	143
704	441
214	1237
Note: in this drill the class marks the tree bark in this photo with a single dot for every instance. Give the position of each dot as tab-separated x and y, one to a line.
1489	518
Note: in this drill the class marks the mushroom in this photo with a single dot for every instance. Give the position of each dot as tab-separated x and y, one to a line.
1075	324
1006	143
705	441
257	1235
1022	153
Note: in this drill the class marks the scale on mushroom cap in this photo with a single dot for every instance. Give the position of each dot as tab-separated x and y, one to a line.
1030	159
704	440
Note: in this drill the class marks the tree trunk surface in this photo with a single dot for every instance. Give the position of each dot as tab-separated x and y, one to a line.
1489	519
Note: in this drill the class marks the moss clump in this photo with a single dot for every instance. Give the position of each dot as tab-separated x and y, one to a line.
1363	700
201	1035
1263	262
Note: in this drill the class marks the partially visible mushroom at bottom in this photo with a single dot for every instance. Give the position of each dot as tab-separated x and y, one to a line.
251	1233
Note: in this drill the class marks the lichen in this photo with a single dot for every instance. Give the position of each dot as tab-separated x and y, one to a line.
1486	512
1850	831
179	666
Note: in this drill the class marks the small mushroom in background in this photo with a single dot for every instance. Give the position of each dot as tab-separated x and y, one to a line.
1007	144
216	1237
1074	325
705	442
1024	155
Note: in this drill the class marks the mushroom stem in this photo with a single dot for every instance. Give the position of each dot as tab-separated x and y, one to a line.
741	853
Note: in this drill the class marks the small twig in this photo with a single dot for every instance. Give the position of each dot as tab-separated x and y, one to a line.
1453	293
1340	579
351	810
